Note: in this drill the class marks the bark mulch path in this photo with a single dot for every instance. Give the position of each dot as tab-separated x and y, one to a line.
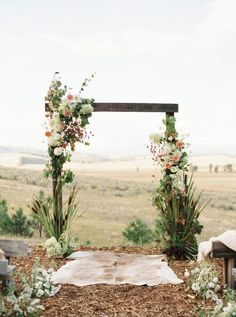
116	300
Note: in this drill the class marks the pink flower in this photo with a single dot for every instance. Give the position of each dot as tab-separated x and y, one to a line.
70	97
67	113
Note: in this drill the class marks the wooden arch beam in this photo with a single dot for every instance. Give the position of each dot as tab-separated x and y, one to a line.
169	108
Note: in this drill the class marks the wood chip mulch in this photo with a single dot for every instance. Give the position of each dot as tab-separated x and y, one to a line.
116	300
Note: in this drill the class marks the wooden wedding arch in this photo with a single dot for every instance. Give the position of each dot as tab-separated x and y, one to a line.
168	108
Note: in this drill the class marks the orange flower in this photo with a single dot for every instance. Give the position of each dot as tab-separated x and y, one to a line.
168	165
64	145
175	158
48	133
179	144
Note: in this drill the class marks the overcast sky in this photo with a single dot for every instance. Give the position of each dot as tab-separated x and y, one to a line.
180	51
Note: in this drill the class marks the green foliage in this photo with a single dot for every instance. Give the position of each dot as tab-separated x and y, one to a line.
24	300
178	209
53	226
15	224
42	199
138	232
62	247
20	225
5	220
177	223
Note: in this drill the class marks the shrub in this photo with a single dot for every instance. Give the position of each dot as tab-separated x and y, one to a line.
20	225
138	232
203	281
5	220
25	301
16	224
62	247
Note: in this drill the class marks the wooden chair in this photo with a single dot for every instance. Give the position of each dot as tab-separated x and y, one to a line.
219	250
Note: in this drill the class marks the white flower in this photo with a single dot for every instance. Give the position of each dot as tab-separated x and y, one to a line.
54	140
214	297
209	294
58	151
179	184
50	241
195	287
196	270
186	273
174	169
166	149
40	293
86	109
211	285
219	305
55	123
217	288
215	280
77	97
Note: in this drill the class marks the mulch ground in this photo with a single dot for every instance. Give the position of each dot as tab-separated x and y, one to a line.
116	300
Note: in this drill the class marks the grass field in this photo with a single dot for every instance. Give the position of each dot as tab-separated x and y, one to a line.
113	197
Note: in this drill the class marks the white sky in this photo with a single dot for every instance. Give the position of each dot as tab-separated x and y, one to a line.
180	51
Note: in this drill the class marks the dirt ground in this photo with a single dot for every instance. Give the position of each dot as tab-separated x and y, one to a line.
116	300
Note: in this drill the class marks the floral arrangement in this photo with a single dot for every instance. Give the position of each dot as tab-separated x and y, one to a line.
169	151
63	247
177	204
66	118
203	281
26	303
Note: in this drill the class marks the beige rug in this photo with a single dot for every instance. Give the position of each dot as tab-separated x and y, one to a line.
90	267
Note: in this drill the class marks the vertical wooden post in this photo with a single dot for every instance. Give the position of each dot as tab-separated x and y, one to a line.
57	196
57	204
170	114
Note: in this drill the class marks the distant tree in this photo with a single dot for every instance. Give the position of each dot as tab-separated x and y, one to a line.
210	168
216	169
229	168
195	168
